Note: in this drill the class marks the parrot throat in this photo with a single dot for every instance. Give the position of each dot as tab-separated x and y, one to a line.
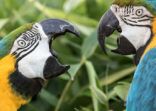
141	50
26	87
11	100
152	44
15	89
149	45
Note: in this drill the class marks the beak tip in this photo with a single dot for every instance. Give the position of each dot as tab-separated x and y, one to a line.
67	67
75	32
102	44
72	29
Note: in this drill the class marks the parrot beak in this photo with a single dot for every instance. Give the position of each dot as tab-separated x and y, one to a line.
108	24
53	68
53	28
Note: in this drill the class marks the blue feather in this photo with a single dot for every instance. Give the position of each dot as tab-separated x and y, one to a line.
7	42
142	94
152	3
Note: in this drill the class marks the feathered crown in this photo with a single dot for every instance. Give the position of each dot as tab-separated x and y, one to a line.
152	3
149	4
7	42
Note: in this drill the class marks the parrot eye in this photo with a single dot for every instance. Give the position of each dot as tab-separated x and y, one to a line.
139	12
21	43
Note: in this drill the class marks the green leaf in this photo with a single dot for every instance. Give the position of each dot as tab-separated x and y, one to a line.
73	70
54	13
85	29
100	95
91	73
117	76
3	22
68	7
92	82
122	90
89	45
85	109
51	99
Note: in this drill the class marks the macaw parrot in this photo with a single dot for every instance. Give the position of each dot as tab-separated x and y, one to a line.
27	61
135	20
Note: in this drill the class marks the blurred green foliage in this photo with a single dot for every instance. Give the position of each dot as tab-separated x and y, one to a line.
98	82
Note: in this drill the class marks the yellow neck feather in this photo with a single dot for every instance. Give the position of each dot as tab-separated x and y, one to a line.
152	44
9	99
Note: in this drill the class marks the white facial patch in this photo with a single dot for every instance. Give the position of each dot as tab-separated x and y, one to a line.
135	22
32	51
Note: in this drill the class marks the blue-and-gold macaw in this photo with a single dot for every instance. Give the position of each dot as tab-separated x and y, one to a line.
27	61
135	20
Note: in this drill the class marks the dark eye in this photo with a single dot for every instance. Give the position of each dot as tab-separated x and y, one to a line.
139	12
21	43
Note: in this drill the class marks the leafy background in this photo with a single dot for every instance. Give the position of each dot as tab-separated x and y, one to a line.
97	82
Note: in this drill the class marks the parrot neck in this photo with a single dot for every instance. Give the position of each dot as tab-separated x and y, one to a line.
10	100
26	87
152	43
15	89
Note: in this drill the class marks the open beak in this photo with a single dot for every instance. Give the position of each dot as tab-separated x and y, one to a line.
108	24
53	28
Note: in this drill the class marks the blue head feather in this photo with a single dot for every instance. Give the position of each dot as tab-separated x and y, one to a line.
152	3
7	42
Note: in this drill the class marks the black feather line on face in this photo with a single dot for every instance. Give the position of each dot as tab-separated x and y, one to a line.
18	59
26	87
148	26
30	39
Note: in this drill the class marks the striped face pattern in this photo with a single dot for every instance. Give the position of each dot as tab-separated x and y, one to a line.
32	49
26	43
133	15
135	23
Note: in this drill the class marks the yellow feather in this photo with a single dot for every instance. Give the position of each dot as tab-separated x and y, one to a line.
9	99
152	44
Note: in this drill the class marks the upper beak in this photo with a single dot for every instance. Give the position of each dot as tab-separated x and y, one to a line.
108	24
55	27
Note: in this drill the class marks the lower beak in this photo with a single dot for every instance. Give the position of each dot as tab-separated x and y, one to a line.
124	46
108	24
53	68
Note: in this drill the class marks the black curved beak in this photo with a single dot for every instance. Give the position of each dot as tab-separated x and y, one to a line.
108	24
56	27
54	68
53	28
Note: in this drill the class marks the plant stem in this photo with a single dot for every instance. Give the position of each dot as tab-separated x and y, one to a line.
65	91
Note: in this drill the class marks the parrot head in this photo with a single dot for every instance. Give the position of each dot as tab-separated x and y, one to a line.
31	46
133	20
